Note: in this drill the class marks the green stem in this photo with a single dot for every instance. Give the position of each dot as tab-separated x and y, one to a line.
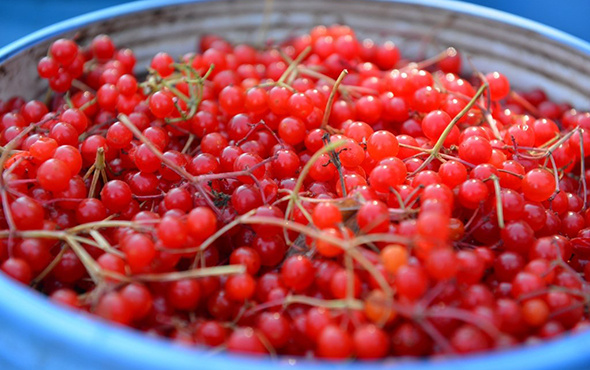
439	143
192	274
294	64
434	152
314	158
336	304
499	207
331	98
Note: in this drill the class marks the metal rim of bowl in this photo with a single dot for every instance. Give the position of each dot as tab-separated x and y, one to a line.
123	348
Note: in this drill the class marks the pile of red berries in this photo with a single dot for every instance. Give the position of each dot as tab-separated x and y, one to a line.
322	197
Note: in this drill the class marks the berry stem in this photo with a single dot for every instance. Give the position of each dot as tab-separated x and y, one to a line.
7	214
173	166
192	273
82	86
99	169
453	158
370	268
558	143
498	195
188	144
357	90
207	199
450	51
555	173
293	65
335	304
511	173
436	336
265	25
49	267
486	113
525	103
110	223
305	170
379	237
91	265
465	316
335	159
417	148
434	152
439	143
183	172
347	245
210	240
330	102
331	304
567	309
103	244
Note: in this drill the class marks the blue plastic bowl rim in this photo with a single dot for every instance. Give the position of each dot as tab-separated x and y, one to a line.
130	349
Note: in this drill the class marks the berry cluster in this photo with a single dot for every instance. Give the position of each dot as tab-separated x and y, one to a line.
323	197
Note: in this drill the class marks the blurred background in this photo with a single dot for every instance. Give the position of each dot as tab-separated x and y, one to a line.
21	17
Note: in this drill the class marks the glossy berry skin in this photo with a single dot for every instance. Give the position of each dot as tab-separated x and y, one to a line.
139	250
452	173
70	156
18	269
184	294
411	282
334	343
390	174
27	213
248	257
90	210
297	273
394	256
373	217
326	215
53	175
172	232
162	63
434	123
382	144
498	84
64	51
538	185
47	67
328	249
475	150
370	342
161	104
245	340
472	192
201	223
116	195
103	47
65	297
240	287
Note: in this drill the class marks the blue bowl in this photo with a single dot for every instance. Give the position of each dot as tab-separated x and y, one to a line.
35	334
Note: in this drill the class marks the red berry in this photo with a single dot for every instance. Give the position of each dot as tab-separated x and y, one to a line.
184	294
297	273
498	85
201	223
334	343
538	185
18	269
115	195
64	51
